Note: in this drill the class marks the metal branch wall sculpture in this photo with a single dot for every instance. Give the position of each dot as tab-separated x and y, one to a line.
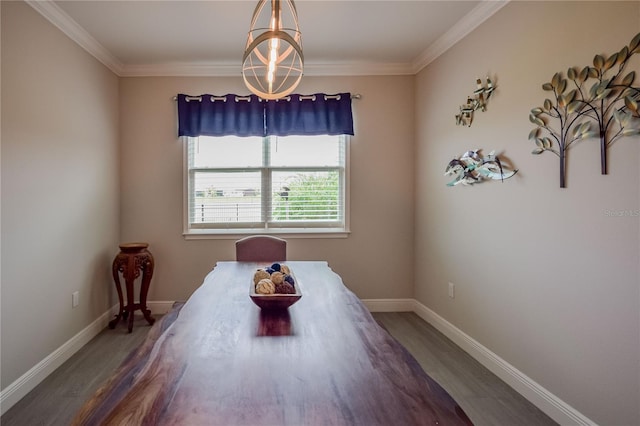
472	168
479	102
604	104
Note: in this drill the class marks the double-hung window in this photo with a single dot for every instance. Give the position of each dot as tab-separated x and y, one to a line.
271	184
256	166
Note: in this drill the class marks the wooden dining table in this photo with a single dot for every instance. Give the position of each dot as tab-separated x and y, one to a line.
224	361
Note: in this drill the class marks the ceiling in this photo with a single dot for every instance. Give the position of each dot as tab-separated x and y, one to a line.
339	37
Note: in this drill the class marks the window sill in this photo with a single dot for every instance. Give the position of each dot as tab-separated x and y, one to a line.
232	234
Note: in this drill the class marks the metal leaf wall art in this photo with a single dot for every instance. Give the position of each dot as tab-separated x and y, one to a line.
476	102
602	102
471	167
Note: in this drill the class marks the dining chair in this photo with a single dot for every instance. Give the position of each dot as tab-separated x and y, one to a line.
261	248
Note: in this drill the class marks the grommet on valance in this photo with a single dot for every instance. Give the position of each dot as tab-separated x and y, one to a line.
319	114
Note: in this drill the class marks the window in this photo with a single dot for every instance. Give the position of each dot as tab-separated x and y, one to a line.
274	184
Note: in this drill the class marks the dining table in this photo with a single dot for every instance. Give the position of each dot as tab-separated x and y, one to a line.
223	360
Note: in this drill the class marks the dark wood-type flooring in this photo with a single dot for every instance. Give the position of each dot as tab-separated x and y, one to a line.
57	398
484	397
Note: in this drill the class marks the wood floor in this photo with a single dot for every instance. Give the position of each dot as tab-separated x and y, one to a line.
484	397
55	401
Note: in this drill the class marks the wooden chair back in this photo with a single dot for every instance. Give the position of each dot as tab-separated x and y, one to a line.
261	248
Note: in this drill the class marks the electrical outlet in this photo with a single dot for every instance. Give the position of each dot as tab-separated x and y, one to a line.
452	290
75	298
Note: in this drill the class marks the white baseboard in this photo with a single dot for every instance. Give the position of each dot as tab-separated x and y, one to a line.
25	383
546	401
29	380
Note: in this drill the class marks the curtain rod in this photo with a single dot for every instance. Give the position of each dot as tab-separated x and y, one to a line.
247	98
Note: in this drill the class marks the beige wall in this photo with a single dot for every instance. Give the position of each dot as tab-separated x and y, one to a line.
59	188
544	278
375	261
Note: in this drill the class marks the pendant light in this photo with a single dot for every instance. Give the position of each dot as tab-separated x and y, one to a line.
273	62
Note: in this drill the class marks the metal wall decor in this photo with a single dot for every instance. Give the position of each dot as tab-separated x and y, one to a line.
601	103
471	167
478	102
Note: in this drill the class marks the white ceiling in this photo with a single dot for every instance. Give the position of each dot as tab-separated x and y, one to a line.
183	37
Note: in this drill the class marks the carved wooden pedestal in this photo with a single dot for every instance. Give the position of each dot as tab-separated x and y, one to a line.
133	259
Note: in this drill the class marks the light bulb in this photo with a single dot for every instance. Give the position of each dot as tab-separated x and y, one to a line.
273	55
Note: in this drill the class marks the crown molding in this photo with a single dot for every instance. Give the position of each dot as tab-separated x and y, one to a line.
49	10
353	69
211	69
54	14
185	69
461	29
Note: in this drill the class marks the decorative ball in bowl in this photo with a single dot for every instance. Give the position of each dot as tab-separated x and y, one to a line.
274	287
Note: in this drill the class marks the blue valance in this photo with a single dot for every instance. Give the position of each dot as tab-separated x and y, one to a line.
210	115
318	114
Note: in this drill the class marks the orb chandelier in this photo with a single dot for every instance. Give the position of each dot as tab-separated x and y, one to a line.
273	62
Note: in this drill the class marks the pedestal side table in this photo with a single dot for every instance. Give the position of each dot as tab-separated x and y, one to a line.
133	259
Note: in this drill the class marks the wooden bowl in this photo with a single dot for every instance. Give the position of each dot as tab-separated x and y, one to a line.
275	301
